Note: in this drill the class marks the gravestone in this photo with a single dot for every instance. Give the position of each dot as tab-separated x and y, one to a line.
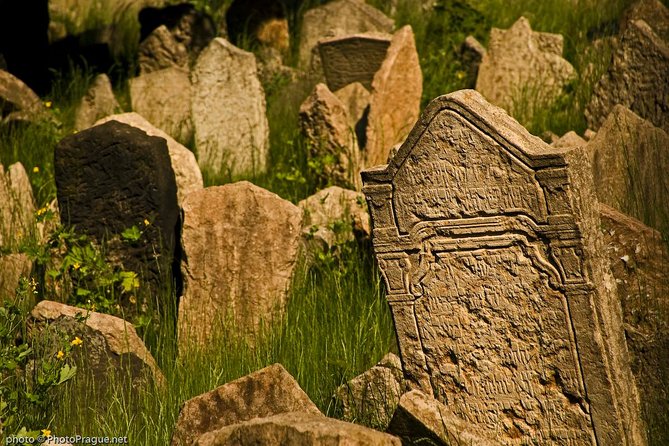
161	50
12	268
630	161
488	242
394	105
636	78
652	12
353	58
186	170
98	102
190	27
337	18
112	177
522	66
325	124
639	261
17	206
229	111
163	97
240	247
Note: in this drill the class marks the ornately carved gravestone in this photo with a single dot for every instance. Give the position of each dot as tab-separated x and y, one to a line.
488	244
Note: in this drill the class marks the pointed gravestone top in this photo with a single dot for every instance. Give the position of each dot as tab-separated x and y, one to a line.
488	241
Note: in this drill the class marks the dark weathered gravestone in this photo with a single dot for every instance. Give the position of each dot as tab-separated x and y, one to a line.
353	58
488	242
112	177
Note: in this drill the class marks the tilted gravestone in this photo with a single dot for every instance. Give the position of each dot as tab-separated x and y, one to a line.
487	239
636	78
112	177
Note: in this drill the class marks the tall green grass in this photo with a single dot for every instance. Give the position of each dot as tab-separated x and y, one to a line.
337	324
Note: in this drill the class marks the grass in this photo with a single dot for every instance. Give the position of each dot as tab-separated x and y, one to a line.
337	323
336	326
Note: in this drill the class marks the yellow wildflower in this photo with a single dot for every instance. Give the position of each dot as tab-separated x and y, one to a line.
48	104
460	74
60	354
46	432
76	341
76	265
36	169
146	222
132	300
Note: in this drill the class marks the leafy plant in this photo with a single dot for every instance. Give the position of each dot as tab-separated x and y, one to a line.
28	375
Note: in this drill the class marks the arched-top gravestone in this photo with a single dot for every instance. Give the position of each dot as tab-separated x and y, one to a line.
487	239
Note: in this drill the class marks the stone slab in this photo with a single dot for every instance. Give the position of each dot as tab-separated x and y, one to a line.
163	97
229	110
263	393
186	170
394	104
639	261
488	242
240	247
636	78
522	66
353	58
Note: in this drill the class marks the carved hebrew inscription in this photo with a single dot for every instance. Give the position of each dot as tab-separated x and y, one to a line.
501	351
460	173
485	239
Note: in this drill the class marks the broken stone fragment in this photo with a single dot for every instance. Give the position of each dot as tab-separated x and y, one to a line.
261	394
161	50
333	217
109	343
422	418
296	428
371	398
17	101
